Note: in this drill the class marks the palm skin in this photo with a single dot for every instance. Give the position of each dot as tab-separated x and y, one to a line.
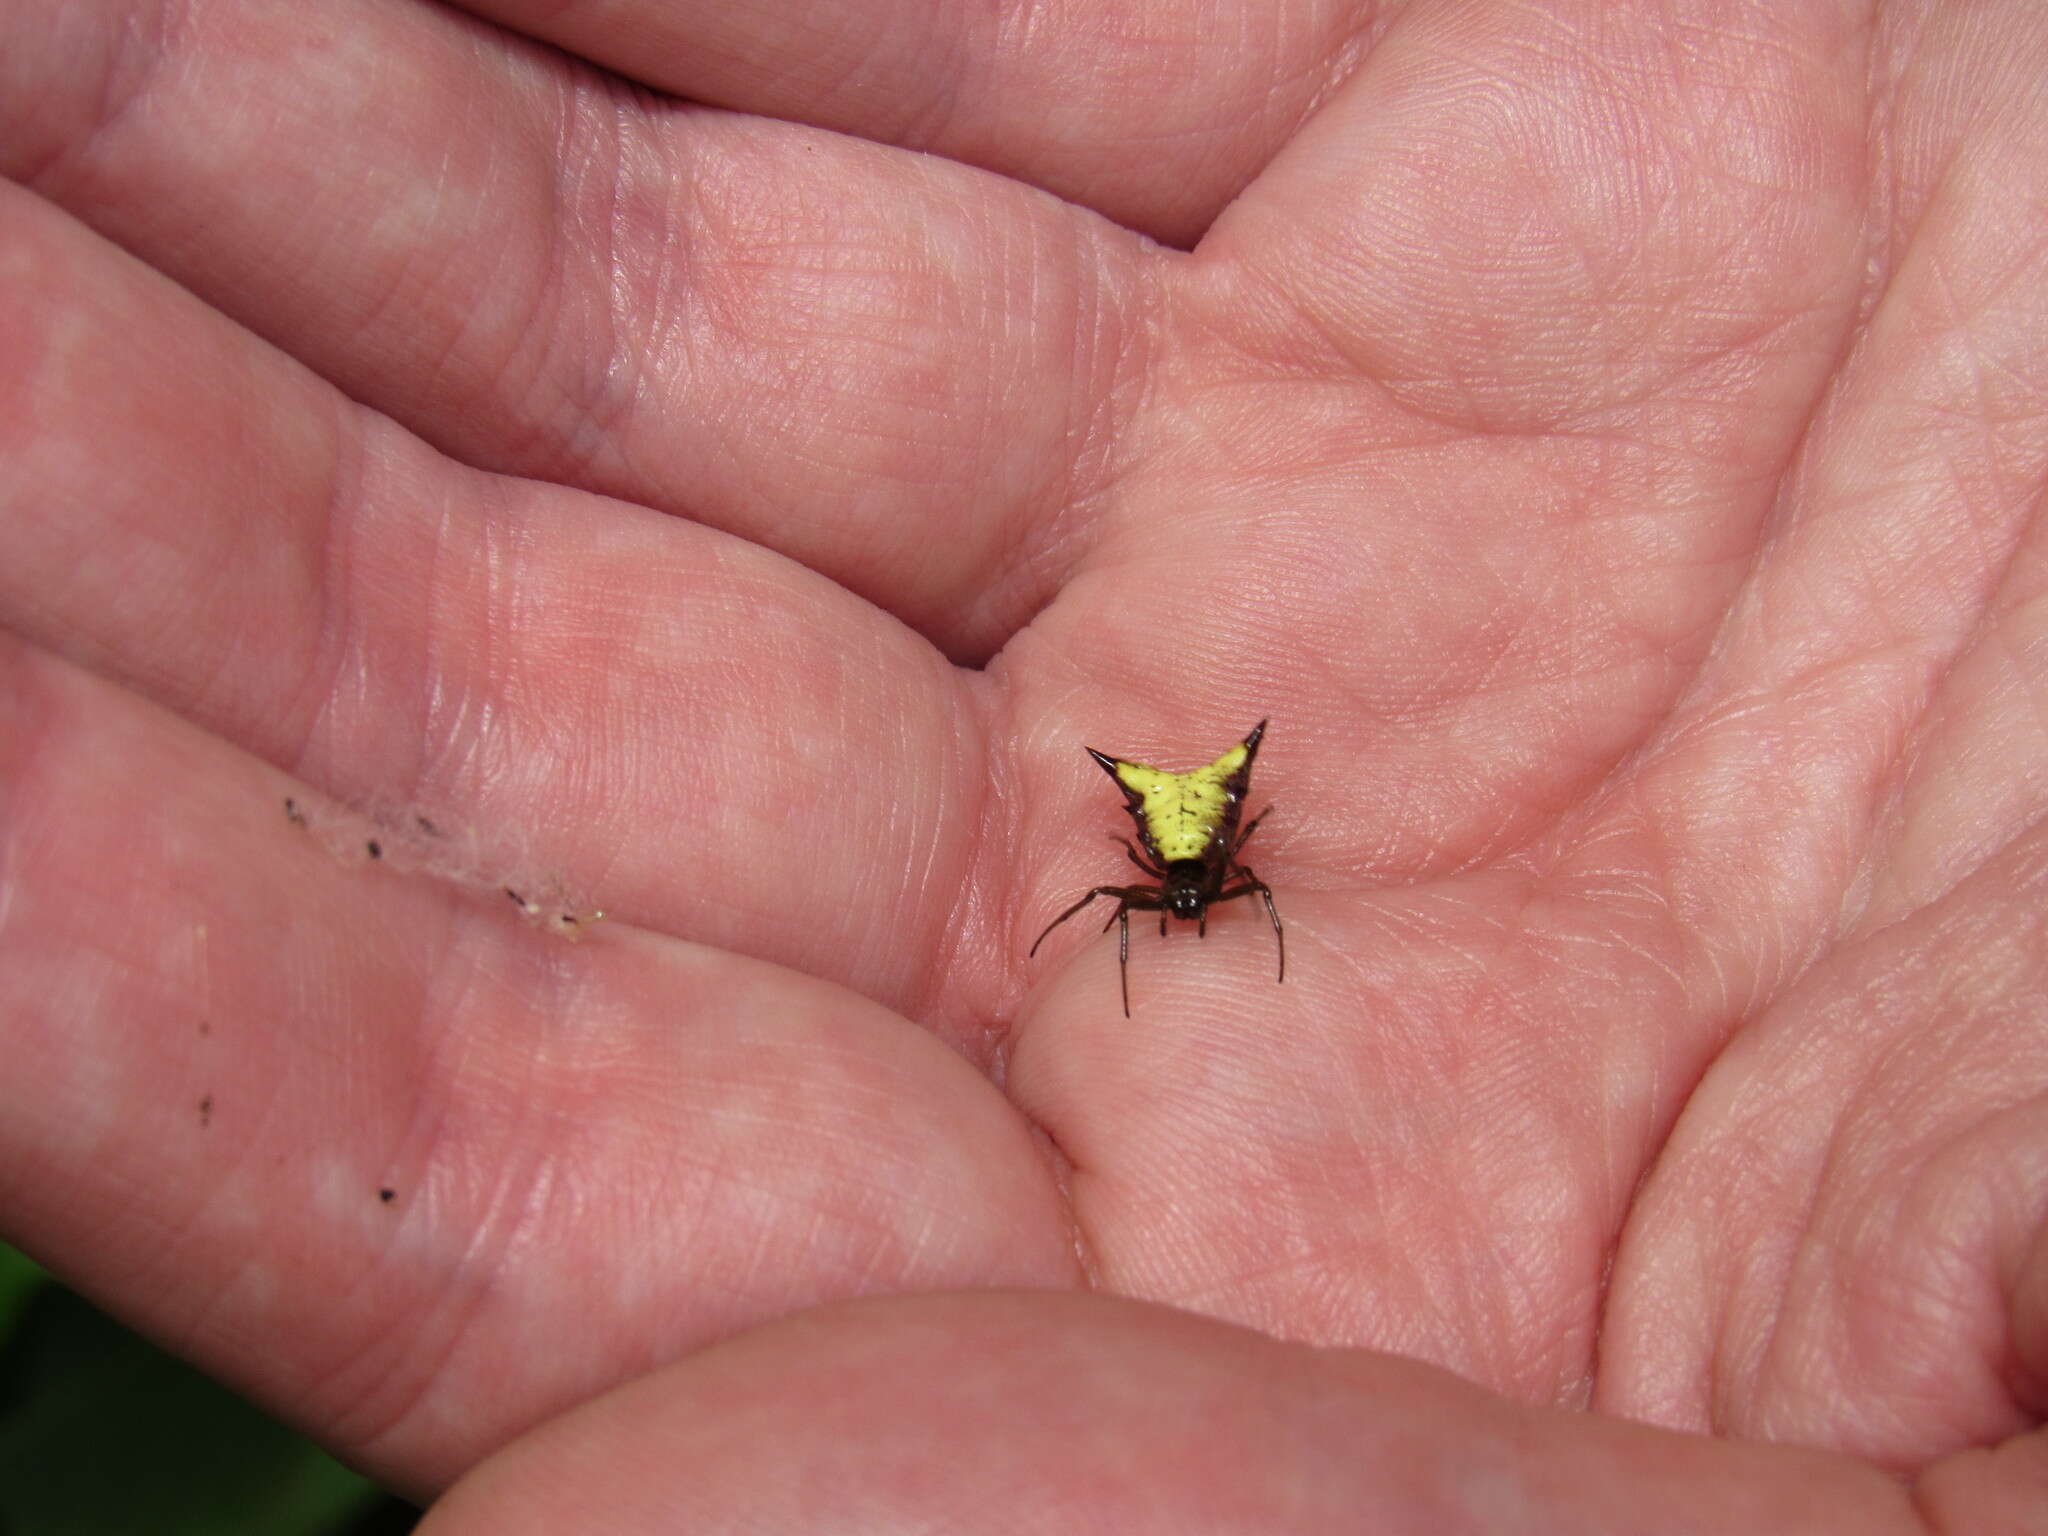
1605	441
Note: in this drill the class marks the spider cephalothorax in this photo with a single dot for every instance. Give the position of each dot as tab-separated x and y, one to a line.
1188	841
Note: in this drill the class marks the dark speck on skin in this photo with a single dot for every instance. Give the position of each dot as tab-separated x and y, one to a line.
387	1195
376	848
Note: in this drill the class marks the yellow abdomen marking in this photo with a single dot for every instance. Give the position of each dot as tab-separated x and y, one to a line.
1182	811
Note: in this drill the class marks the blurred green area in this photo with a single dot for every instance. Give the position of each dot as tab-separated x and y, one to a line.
103	1434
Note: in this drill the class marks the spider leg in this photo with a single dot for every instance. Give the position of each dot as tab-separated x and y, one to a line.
1100	890
1123	957
1145	898
1246	835
1139	859
1250	883
1279	933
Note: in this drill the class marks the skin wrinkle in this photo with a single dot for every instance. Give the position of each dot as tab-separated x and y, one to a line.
611	383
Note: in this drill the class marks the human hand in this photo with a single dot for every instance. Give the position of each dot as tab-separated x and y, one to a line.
1604	444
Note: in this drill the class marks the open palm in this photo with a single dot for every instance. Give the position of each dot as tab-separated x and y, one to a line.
1605	442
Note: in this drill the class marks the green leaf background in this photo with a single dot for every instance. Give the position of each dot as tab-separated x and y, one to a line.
102	1434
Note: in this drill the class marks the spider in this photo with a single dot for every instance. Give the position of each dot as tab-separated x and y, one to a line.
1187	824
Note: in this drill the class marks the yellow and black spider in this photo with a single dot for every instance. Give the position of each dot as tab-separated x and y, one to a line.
1187	823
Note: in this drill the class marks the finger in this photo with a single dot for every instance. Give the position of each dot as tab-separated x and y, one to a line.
697	733
883	366
1058	99
1084	1414
400	1164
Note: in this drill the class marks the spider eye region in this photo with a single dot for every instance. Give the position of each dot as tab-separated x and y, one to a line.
1185	893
